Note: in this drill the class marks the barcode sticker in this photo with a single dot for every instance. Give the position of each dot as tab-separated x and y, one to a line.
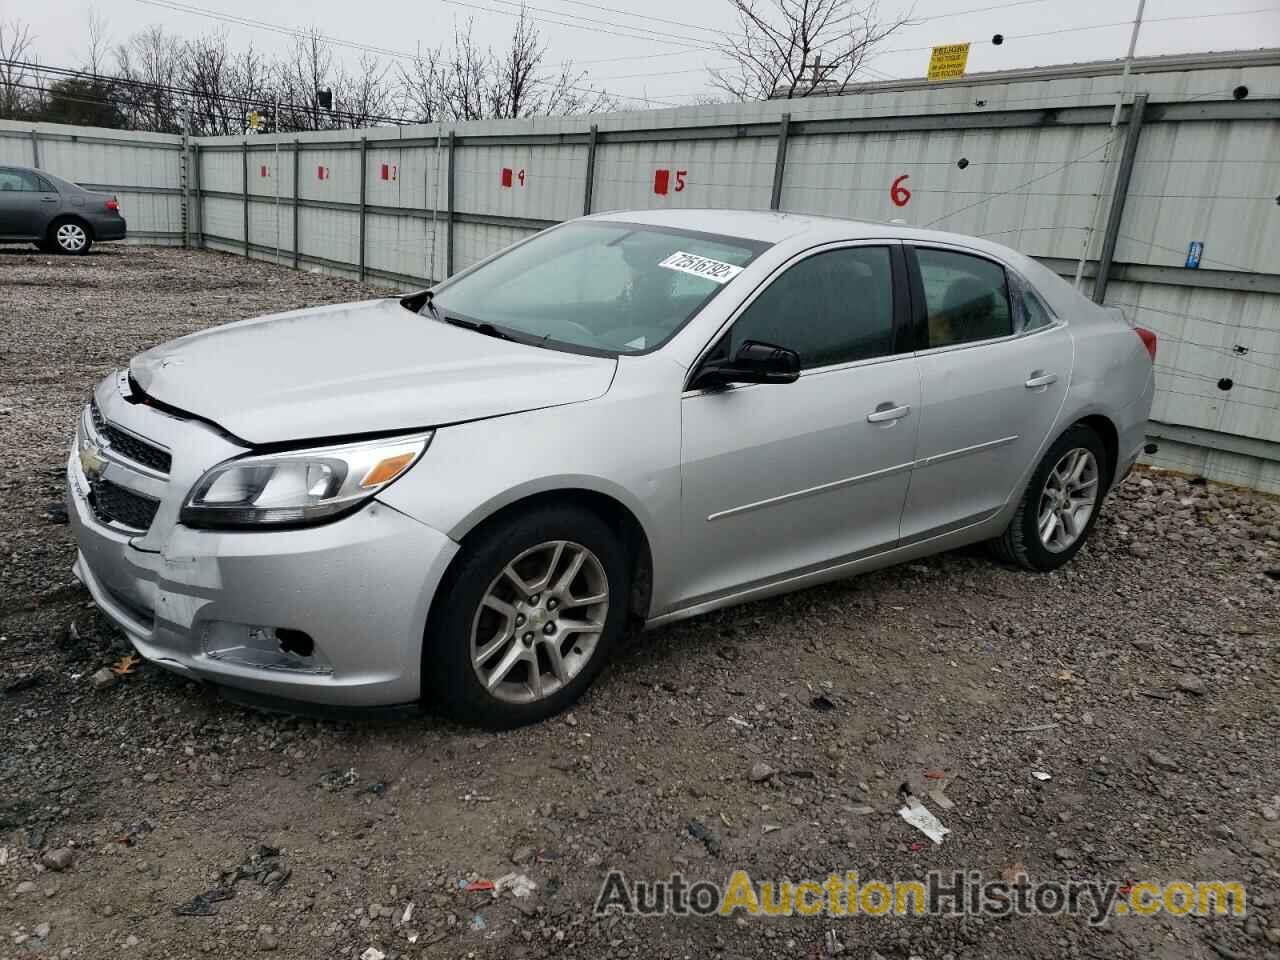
714	270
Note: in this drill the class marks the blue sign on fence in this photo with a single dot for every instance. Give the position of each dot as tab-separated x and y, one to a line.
1193	254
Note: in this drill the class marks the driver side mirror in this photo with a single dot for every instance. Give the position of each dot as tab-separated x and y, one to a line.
755	362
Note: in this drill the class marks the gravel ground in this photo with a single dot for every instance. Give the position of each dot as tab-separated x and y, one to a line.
1148	669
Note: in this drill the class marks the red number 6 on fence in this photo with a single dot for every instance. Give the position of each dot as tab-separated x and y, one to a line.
898	193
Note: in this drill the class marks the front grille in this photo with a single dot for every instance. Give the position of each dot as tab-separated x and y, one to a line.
129	446
113	503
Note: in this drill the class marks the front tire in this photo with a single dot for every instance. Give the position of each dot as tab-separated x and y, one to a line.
530	614
1061	503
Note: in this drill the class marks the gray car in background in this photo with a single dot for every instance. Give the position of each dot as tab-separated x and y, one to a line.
56	215
463	495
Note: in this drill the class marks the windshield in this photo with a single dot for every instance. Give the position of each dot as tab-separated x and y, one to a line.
612	287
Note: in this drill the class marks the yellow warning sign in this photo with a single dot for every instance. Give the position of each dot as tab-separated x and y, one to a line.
947	62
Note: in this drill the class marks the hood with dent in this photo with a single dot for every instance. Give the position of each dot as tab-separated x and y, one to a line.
358	368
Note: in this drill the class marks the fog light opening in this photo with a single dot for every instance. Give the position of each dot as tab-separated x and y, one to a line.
295	642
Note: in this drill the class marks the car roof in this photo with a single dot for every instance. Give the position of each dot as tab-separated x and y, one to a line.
800	230
775	226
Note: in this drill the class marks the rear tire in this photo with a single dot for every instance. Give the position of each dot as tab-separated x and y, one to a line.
507	610
69	236
1053	519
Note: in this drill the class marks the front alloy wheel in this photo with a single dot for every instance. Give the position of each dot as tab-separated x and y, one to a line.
526	616
539	622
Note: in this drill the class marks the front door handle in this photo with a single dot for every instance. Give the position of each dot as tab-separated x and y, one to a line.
887	413
48	199
1041	379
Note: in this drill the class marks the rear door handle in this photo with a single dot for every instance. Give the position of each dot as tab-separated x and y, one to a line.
887	412
1039	379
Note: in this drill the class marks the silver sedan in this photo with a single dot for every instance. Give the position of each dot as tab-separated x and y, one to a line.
464	496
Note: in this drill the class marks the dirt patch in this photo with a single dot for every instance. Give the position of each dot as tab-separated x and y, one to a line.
1144	678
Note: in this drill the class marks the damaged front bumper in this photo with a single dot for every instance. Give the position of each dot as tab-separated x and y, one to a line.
332	614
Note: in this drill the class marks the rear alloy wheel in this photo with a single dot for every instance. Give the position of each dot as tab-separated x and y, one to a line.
71	236
527	617
1060	505
1068	499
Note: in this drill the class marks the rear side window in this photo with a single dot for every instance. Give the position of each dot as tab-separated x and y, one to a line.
832	307
967	297
1034	313
19	180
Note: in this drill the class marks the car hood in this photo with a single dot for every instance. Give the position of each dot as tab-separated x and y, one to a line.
357	368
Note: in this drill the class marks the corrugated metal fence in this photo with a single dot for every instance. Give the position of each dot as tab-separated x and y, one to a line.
1033	161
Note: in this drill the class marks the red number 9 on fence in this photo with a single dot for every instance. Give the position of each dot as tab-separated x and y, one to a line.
898	193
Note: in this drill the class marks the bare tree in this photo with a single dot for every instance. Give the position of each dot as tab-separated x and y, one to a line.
16	78
309	70
149	67
421	86
365	98
468	83
796	48
99	43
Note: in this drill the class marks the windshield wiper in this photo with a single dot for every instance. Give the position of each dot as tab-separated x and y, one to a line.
488	329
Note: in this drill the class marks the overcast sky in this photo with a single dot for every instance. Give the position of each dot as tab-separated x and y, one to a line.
661	54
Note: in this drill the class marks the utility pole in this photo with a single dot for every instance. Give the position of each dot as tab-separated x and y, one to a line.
1128	63
1106	157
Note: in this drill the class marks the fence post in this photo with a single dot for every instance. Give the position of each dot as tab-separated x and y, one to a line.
364	176
780	161
1118	197
199	201
448	216
244	186
35	149
297	245
591	169
186	183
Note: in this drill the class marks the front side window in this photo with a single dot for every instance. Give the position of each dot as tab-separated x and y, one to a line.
833	307
18	180
600	286
967	297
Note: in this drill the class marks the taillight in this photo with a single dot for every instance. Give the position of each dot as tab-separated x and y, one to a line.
1148	340
113	205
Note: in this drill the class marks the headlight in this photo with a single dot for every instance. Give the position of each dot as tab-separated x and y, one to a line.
298	487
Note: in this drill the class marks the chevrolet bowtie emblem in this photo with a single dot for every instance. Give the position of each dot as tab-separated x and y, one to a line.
91	462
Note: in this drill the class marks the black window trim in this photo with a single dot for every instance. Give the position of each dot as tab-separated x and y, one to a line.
902	308
1013	280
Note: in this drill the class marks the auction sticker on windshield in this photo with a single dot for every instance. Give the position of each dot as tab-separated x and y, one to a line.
714	270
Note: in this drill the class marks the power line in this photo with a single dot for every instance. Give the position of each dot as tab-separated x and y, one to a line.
1092	26
653	19
178	7
1002	193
